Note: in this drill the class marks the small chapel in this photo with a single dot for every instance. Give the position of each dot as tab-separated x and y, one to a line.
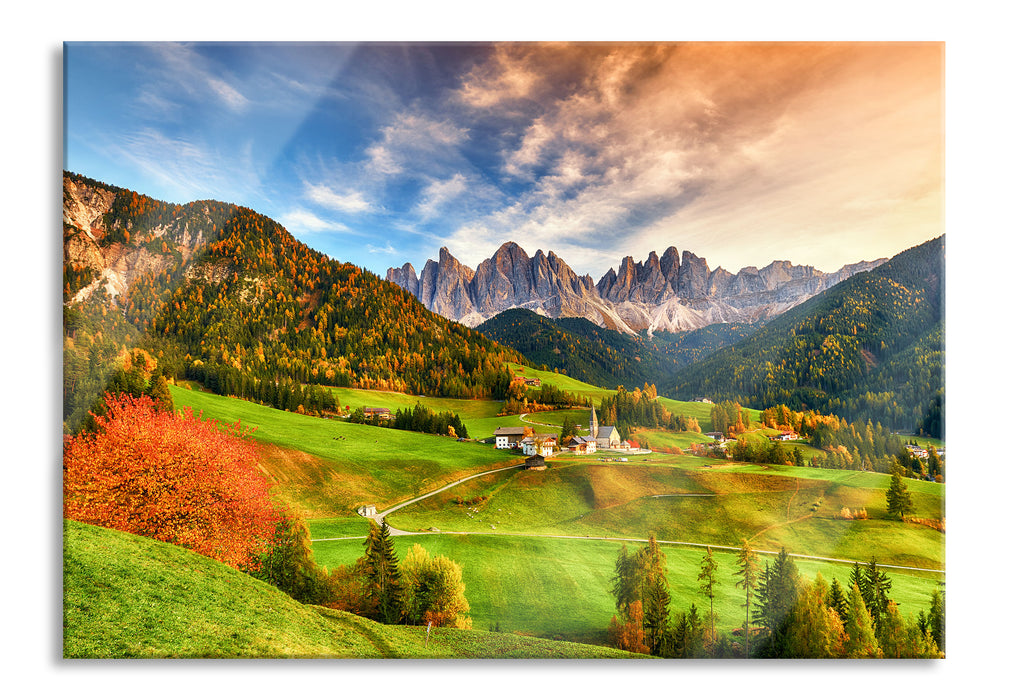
606	436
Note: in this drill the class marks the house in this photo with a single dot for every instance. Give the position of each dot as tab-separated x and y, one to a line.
716	436
536	462
531	381
608	437
582	445
505	438
786	435
701	399
368	511
543	444
372	413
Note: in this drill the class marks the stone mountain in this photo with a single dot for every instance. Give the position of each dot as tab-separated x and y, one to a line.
670	293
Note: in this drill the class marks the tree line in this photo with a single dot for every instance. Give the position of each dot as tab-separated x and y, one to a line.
641	409
420	419
784	616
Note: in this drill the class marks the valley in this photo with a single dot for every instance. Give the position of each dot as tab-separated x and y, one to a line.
557	532
785	426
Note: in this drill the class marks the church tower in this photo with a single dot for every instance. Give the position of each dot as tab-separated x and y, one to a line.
593	424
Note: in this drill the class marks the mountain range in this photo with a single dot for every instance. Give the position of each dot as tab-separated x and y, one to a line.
662	293
219	294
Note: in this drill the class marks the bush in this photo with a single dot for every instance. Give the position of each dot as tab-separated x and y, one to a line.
174	478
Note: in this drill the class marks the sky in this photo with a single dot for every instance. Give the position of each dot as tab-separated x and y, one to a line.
381	153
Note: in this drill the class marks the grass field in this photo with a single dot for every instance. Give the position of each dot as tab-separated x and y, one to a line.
798	508
329	467
126	596
559	588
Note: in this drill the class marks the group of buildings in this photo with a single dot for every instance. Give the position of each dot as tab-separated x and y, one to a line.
602	437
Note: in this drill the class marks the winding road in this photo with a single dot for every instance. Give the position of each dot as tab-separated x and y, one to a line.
379	518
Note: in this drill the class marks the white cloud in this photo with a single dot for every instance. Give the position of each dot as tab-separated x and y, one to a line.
303	221
438	193
387	249
351	202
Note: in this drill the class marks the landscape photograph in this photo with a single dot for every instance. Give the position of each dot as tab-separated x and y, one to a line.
624	353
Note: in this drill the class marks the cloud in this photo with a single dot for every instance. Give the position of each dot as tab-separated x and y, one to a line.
183	69
748	147
351	202
414	143
387	249
303	221
438	193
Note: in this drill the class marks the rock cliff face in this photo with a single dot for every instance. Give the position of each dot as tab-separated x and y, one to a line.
114	266
670	292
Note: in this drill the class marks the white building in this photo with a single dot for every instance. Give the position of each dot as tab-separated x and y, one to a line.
540	444
505	438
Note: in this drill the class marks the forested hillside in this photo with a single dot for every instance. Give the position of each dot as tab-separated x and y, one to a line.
871	348
590	353
219	293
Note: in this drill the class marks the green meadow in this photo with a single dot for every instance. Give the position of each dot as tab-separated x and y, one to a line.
532	561
560	588
329	466
126	596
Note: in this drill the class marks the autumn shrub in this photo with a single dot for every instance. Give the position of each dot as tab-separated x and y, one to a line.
171	477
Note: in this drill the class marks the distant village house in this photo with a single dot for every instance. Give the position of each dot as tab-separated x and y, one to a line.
543	444
370	412
506	438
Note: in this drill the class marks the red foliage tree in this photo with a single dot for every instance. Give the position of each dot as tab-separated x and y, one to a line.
171	477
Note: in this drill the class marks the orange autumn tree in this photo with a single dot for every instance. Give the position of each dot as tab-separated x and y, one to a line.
171	477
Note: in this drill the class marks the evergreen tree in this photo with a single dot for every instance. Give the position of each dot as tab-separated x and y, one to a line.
707	579
381	569
748	571
837	599
861	638
776	595
655	594
898	499
876	590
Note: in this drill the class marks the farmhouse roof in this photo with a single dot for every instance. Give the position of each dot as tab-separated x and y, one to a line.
500	432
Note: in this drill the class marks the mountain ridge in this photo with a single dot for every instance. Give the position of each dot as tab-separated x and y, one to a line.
671	292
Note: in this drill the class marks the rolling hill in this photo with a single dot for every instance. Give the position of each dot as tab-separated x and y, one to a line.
126	596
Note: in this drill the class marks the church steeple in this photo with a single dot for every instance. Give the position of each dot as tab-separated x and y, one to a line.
593	423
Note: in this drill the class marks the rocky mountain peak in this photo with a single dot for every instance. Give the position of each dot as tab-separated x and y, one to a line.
667	292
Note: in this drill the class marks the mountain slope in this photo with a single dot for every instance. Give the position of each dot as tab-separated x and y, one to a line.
608	358
871	347
219	293
660	294
126	596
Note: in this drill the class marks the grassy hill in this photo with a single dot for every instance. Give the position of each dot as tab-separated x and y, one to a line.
126	596
330	467
558	586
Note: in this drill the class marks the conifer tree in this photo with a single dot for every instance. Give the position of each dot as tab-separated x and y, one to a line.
749	571
776	596
381	569
898	499
707	579
817	631
861	642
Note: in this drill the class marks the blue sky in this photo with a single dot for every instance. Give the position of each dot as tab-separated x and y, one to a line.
381	153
